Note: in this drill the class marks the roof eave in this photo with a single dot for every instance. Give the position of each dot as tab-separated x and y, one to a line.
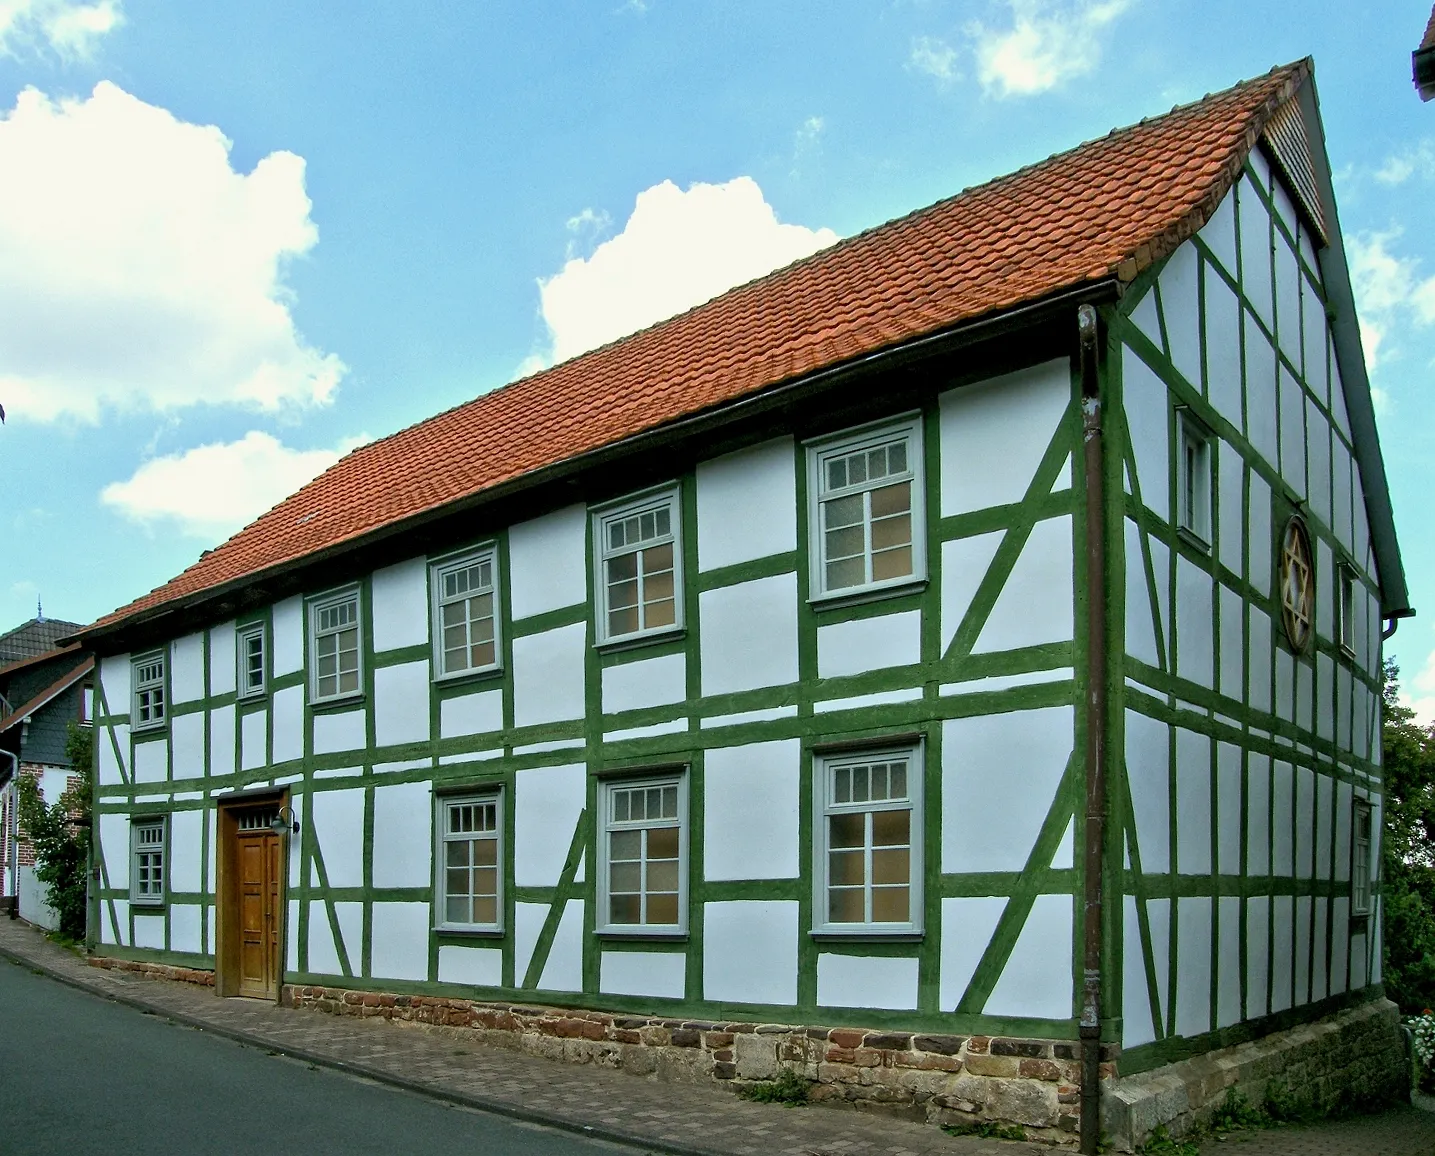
1422	66
62	684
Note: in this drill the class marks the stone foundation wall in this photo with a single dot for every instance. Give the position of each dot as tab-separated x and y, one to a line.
941	1079
154	970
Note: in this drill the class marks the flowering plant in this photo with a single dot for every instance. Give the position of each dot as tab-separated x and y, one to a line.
1422	1029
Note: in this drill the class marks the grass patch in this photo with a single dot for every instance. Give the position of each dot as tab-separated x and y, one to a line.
789	1088
987	1130
1161	1143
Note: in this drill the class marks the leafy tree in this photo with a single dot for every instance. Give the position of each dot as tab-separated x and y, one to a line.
1408	866
60	835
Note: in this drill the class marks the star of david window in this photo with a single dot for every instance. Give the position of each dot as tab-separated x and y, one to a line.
1297	578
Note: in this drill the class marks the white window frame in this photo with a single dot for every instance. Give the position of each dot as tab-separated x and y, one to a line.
1361	873
825	764
819	452
87	704
316	606
1345	586
481	796
242	637
438	570
155	683
148	823
607	825
669	497
1194	485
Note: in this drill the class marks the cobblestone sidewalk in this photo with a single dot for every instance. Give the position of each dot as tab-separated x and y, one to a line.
699	1120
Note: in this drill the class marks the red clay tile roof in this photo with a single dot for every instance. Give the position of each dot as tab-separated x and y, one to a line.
1429	41
1106	208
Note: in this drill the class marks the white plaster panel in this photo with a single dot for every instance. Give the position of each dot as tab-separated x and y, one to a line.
1034	606
186	668
1262	547
115	849
473	966
1377	925
1228	970
291	937
1037	980
1063	858
548	675
964	564
1223	348
1282	950
1193	805
967	926
1233	644
647	683
1343	523
221	740
1229	803
1343	803
749	635
1285	685
403	835
1261	398
528	921
1304	822
1194	623
186	845
337	820
115	929
1282	804
323	952
1230	509
297	805
1140	620
1293	437
999	776
651	973
1320	975
400	605
149	929
760	964
1288	283
1258	916
401	703
546	805
1258	687
1219	234
1146	319
547	565
1343	688
1324	817
113	768
866	981
1302	949
1339	939
288	724
115	682
399	941
186	736
1137	1026
151	761
564	969
1254	226
339	731
983	464
1193	976
1181	305
1161	571
747	504
1148	763
211	822
1323	706
222	660
470	714
1318	459
869	644
184	928
1315	338
287	641
1144	396
750	811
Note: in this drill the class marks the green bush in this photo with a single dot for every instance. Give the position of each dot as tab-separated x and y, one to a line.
60	835
789	1088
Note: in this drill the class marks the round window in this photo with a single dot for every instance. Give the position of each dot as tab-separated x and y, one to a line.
1297	577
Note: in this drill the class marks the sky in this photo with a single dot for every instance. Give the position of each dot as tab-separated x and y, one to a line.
237	240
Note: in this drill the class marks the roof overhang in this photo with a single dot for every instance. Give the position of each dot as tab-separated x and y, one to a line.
34	659
1423	67
59	686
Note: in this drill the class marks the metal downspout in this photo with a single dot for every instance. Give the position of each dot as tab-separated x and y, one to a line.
1096	665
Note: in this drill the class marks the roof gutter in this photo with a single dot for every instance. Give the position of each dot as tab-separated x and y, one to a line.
1051	307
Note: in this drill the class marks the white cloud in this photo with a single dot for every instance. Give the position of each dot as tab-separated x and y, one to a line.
1048	43
1418	693
213	490
139	270
935	57
678	249
1400	167
70	29
1390	294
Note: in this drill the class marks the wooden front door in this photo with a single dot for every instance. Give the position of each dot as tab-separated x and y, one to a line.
257	877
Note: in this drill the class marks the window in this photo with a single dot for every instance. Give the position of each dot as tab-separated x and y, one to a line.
869	847
1360	862
147	861
1297	584
470	895
1194	497
1345	608
866	510
642	881
639	559
250	647
87	705
335	625
465	598
148	681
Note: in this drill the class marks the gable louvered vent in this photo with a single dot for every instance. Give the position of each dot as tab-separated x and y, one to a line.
1286	138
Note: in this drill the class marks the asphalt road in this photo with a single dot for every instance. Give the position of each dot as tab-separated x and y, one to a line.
79	1074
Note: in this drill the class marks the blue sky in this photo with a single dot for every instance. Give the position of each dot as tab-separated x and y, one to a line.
237	239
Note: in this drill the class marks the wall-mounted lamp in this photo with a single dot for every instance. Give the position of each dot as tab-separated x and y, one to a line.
284	822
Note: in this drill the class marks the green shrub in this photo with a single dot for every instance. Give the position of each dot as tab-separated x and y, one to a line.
789	1088
60	835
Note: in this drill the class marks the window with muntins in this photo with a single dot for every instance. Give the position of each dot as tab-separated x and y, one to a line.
1360	861
866	510
1194	481
1345	608
643	853
465	597
250	649
147	677
869	846
470	850
147	861
336	640
639	579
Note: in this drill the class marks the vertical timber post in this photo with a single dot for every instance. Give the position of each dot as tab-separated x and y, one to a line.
1095	825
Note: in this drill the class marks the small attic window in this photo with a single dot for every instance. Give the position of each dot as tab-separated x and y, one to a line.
1194	479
